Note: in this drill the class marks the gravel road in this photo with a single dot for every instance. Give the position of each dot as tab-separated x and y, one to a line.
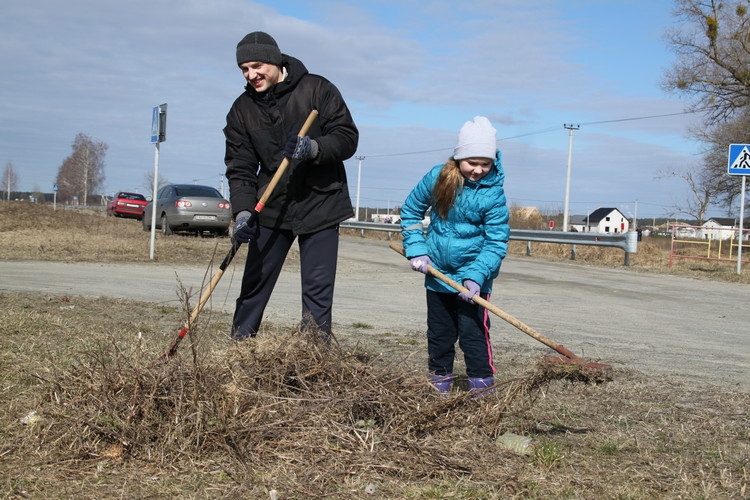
693	329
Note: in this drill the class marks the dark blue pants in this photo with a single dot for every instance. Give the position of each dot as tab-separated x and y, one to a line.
451	320
265	258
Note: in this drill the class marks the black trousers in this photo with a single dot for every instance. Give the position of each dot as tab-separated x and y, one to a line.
265	258
450	319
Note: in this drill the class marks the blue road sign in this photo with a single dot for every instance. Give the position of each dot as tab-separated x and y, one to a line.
739	159
155	124
159	123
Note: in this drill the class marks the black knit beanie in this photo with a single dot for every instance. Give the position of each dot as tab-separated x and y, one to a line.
258	46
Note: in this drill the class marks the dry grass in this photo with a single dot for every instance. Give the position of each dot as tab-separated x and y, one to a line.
37	232
652	257
281	412
89	412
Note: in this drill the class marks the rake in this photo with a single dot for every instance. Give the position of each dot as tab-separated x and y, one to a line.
568	357
235	246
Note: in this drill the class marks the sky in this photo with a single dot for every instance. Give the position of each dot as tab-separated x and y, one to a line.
412	73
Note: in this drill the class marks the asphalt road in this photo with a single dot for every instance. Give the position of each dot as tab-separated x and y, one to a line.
693	329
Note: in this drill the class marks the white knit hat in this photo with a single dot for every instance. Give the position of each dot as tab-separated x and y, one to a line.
476	139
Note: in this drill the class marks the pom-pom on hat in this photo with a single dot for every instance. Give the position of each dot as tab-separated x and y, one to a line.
476	139
258	46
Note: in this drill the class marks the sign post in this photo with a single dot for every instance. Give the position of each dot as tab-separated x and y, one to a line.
739	164
158	135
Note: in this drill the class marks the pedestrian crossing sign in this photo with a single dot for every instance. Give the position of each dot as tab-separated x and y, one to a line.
739	159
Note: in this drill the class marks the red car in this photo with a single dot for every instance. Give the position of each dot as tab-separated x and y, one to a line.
126	204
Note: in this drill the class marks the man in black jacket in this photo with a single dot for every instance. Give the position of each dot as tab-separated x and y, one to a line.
312	197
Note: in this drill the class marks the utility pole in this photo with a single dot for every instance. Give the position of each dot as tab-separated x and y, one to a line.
566	212
359	178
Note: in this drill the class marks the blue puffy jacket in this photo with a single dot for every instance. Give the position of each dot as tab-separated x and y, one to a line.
472	242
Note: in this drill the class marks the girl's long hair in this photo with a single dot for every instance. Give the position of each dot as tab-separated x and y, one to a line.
448	184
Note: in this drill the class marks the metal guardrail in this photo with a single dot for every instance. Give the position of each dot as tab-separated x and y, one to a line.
628	242
624	241
371	226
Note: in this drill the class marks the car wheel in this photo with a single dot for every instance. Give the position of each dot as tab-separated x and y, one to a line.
165	229
146	226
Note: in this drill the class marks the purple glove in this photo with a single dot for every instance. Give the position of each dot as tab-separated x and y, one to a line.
420	263
473	288
300	148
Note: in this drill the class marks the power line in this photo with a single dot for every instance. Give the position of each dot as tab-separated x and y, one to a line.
544	131
538	132
405	154
644	117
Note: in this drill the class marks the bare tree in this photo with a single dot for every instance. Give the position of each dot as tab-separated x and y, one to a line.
713	56
38	194
82	173
712	43
726	188
148	182
703	192
9	181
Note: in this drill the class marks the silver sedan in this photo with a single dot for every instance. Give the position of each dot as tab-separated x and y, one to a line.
191	208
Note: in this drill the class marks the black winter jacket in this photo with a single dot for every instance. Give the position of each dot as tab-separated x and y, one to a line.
312	194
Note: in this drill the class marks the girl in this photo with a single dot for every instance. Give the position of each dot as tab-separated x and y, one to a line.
467	239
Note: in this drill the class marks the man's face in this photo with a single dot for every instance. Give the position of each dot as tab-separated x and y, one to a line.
260	75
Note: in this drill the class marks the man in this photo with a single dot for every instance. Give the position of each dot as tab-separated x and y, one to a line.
312	197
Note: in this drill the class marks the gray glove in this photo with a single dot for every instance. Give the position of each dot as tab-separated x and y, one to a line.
245	227
300	148
473	288
420	263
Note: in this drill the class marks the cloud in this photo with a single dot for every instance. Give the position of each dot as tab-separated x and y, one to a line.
412	73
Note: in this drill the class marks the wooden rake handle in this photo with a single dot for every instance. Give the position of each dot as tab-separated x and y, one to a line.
235	247
497	311
284	164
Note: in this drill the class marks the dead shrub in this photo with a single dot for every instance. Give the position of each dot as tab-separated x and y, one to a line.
279	402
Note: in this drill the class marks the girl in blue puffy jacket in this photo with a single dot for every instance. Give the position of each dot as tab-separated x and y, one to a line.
466	240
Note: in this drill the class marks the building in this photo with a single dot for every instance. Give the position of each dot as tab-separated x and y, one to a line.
718	228
385	218
606	221
577	224
721	228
